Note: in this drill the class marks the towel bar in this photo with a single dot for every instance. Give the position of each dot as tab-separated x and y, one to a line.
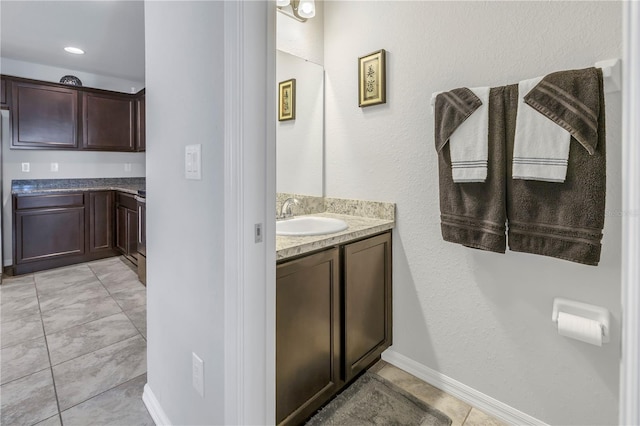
611	73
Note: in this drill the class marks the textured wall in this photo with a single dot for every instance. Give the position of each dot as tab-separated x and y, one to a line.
302	39
480	318
185	218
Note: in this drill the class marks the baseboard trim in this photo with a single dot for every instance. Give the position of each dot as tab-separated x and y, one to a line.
461	391
153	406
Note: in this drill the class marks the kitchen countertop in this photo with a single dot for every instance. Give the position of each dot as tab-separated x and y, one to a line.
358	227
47	186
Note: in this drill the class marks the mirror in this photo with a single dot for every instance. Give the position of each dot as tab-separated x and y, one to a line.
299	142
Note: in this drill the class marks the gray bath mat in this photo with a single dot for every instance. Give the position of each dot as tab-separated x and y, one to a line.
372	400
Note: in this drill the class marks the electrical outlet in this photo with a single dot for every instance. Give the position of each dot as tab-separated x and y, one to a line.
193	161
26	167
127	167
54	167
198	373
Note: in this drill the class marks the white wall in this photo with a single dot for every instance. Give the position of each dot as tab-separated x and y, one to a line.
481	318
301	141
302	39
185	218
48	73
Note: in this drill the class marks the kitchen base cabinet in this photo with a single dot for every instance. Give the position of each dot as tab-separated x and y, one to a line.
333	321
127	226
307	336
54	230
101	221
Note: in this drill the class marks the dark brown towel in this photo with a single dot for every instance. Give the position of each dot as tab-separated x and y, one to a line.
472	214
451	109
563	220
571	99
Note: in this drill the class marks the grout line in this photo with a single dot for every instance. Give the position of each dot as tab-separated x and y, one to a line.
46	343
103	392
467	416
26	375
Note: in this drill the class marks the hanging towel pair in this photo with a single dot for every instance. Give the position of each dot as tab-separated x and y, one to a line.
562	221
464	124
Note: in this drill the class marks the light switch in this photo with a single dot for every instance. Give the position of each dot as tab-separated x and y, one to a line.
26	167
193	162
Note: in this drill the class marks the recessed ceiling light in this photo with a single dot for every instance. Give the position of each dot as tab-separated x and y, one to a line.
74	50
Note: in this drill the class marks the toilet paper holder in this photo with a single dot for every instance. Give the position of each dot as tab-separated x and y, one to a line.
592	312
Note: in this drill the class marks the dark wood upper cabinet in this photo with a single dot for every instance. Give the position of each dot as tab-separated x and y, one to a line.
4	96
367	302
101	209
108	122
43	116
141	144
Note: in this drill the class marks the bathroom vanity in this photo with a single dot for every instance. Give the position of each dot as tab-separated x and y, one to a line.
333	312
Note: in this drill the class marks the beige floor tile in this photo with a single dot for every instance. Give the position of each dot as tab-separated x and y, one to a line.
452	407
20	330
28	400
23	359
479	418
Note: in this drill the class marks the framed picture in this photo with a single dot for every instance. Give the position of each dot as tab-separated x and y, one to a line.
287	100
372	79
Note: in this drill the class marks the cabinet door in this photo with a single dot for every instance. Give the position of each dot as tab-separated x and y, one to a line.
132	234
44	116
307	335
44	234
4	98
141	129
100	221
142	228
367	304
108	122
122	236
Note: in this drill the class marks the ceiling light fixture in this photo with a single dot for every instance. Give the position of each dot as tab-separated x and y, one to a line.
300	10
74	50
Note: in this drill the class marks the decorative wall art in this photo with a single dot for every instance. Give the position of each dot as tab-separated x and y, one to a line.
287	100
372	79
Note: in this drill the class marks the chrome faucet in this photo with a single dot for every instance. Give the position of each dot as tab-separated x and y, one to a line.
286	207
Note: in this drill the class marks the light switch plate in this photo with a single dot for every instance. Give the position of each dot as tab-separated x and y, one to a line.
54	167
193	161
26	167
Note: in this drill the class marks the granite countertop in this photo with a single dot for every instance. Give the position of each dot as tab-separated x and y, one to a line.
46	186
289	246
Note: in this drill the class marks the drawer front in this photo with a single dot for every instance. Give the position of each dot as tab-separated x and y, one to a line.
46	201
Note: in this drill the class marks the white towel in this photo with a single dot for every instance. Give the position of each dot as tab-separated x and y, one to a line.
469	144
541	147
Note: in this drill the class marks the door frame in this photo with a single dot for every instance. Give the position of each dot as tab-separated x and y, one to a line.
629	410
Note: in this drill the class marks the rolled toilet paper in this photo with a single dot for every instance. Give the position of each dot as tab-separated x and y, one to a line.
579	328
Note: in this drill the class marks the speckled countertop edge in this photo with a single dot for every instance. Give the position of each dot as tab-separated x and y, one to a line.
288	247
49	186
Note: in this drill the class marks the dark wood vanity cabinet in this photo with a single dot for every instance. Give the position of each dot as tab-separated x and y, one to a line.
127	226
43	116
108	122
308	335
367	302
333	321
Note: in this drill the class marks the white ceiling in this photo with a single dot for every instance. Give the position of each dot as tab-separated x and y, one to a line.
110	32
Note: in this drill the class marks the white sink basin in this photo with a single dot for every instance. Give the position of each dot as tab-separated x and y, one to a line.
310	225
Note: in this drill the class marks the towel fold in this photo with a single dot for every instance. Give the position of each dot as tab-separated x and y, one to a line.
469	144
472	214
564	221
541	146
571	99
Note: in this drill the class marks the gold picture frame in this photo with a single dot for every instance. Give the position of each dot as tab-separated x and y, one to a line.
372	79
287	100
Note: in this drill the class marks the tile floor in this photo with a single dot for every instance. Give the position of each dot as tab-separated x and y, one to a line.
460	413
73	346
73	351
